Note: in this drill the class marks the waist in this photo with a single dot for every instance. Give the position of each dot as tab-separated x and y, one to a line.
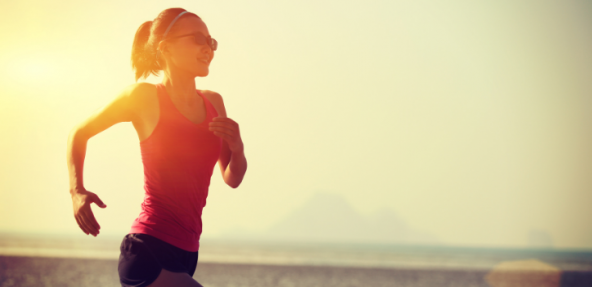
187	243
177	224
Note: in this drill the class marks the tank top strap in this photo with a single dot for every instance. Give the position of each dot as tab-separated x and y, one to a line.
164	101
212	113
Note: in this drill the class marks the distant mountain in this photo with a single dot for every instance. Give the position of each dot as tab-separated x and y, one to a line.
325	217
330	218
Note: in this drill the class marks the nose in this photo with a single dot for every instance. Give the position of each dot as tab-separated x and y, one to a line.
206	49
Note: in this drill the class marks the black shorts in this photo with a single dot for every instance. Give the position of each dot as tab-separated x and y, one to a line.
143	257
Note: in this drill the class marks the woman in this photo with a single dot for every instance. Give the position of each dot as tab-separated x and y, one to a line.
183	132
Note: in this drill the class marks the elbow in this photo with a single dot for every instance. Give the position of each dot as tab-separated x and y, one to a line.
77	134
233	182
73	135
234	179
234	185
76	140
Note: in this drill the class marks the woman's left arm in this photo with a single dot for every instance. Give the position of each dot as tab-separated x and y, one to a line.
232	161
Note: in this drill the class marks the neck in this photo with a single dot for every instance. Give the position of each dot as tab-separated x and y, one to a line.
180	87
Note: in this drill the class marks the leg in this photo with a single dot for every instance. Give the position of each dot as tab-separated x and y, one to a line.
168	278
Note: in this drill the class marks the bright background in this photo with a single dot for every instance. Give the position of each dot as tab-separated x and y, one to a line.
469	120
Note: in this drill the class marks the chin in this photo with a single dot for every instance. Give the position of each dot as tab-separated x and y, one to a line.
202	73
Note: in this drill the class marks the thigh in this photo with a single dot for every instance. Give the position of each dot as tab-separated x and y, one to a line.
144	258
167	278
137	266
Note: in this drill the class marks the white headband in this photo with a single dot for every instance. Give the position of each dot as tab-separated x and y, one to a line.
169	28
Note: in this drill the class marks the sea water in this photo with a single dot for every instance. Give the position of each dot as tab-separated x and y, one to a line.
301	253
387	255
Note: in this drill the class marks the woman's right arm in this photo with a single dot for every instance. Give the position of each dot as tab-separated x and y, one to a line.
121	109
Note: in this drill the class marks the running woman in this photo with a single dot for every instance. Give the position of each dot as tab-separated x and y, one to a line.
183	132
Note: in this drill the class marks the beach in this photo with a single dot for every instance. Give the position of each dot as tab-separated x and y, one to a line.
44	260
44	271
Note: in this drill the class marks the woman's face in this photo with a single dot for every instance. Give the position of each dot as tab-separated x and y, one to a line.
183	54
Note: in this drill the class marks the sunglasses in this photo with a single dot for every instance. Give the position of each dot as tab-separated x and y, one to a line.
200	39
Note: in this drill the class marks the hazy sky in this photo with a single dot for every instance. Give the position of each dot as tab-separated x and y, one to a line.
469	119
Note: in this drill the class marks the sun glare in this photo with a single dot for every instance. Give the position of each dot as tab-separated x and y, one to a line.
34	69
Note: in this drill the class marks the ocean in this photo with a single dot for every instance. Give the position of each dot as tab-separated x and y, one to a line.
42	259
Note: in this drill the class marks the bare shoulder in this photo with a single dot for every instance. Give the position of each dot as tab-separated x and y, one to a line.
212	96
125	107
140	91
216	100
142	98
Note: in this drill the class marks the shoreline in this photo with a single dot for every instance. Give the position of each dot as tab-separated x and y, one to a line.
305	254
45	271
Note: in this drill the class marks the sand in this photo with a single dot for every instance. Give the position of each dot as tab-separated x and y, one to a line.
40	271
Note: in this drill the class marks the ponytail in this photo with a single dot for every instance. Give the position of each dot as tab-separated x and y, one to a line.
143	56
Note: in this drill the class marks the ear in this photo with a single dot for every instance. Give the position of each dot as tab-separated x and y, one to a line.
160	51
162	47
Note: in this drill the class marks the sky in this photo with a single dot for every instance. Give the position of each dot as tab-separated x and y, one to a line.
469	120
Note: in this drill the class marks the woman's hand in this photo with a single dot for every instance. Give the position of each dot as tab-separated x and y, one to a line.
81	200
228	130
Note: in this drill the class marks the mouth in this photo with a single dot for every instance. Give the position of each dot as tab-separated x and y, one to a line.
203	60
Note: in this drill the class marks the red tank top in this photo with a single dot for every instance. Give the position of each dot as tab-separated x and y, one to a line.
179	158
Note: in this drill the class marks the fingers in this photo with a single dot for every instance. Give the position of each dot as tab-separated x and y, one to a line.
230	126
87	221
82	222
227	132
90	224
93	222
224	126
81	225
98	201
218	122
223	136
222	119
